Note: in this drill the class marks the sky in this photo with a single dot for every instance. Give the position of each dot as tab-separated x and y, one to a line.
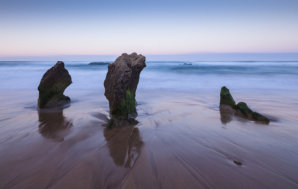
43	28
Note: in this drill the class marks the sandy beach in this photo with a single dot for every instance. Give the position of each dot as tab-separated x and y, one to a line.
179	142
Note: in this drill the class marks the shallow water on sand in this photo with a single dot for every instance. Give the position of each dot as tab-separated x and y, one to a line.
181	140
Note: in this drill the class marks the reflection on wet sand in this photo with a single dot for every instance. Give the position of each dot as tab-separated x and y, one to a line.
226	114
124	142
53	125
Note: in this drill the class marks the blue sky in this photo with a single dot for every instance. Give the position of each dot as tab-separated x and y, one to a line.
110	27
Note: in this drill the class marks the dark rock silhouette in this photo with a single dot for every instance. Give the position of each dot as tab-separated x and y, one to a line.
228	108
244	111
226	97
121	83
52	86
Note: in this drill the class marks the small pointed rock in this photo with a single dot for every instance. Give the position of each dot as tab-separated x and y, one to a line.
229	107
226	97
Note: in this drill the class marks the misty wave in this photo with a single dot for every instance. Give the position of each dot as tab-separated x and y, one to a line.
226	69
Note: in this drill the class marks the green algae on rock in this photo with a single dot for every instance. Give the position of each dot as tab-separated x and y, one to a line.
229	107
226	97
121	83
128	105
249	114
52	86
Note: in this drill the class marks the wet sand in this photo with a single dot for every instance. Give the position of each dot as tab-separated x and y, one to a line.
181	141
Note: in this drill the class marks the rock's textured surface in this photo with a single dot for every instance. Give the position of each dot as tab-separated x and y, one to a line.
121	83
244	111
226	97
52	86
228	107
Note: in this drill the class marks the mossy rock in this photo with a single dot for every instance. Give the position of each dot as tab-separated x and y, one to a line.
260	117
121	84
55	94
249	114
244	109
128	106
241	109
226	97
52	86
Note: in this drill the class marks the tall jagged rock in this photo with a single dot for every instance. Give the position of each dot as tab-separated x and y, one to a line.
52	86
228	107
121	83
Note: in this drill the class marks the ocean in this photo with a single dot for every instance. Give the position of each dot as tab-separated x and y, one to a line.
167	75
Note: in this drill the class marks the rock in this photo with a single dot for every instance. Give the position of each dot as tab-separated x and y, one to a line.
121	83
118	121
52	86
246	112
228	108
226	97
237	162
